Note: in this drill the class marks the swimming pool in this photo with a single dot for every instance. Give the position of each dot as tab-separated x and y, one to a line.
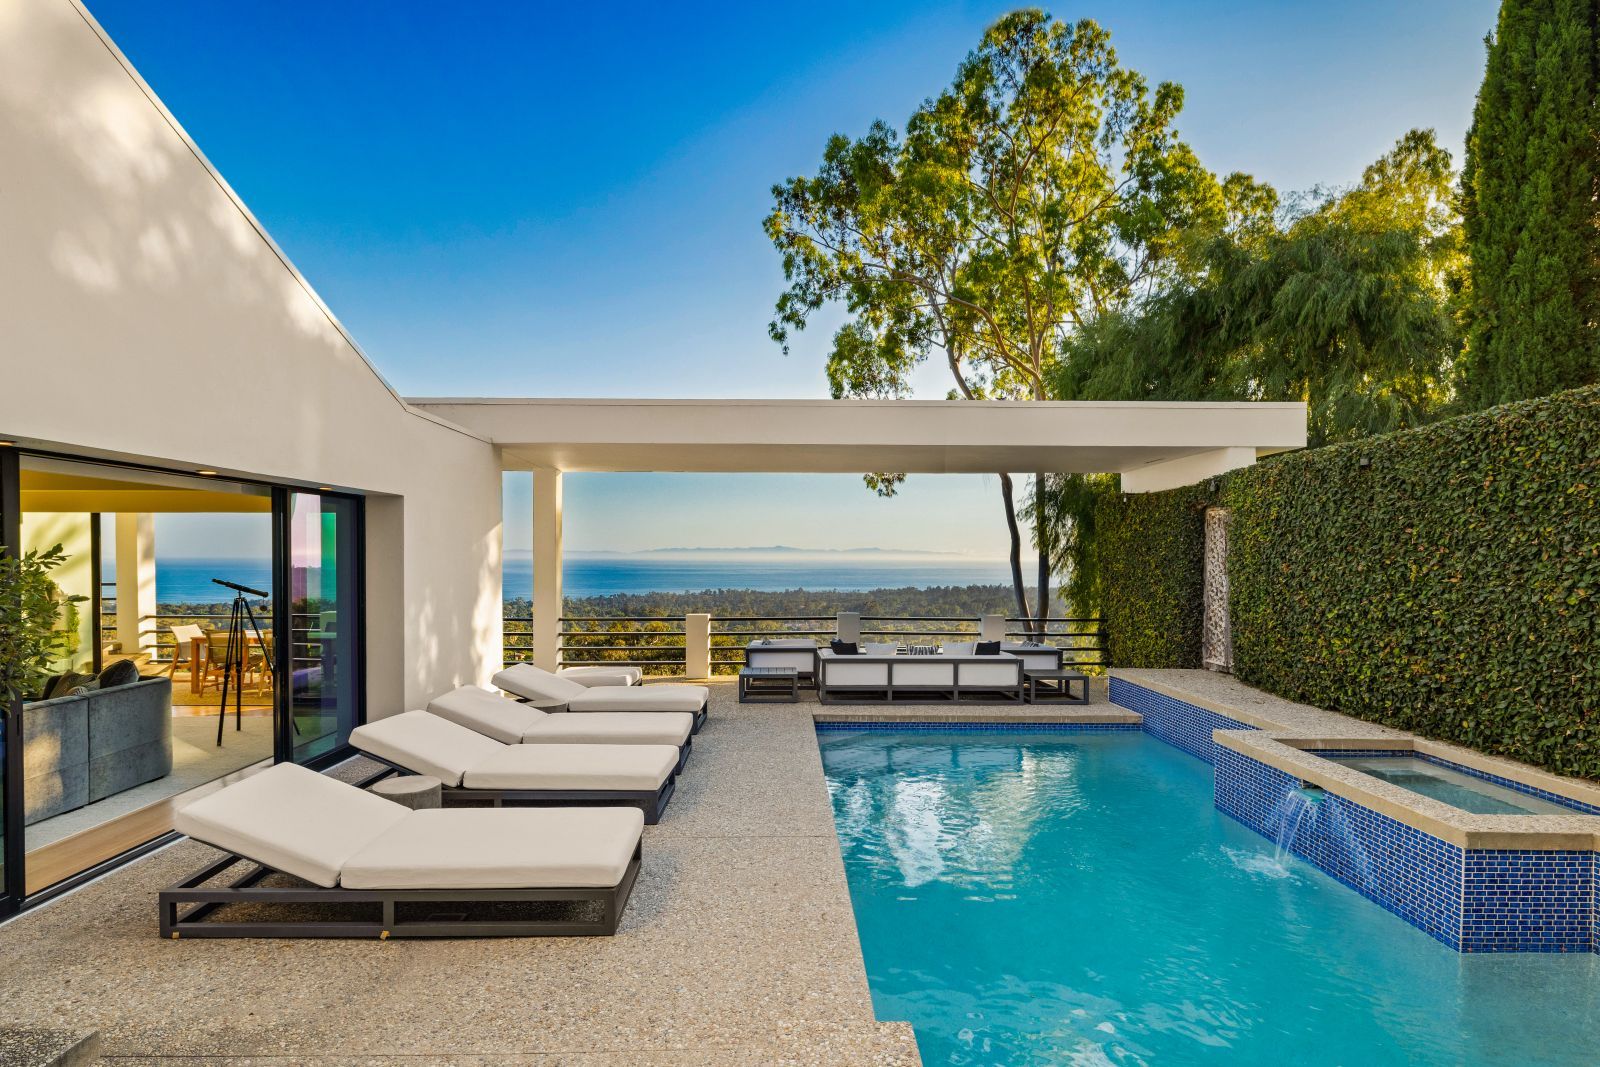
1044	898
1450	786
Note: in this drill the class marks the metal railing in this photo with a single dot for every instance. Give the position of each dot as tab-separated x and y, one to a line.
659	644
304	651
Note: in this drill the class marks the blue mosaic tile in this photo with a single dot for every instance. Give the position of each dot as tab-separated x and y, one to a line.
1174	721
1412	874
1527	901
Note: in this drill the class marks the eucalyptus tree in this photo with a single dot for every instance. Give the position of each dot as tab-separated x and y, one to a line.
1046	187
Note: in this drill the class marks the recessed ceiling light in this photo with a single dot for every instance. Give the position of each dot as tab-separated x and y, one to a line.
8	444
325	488
206	472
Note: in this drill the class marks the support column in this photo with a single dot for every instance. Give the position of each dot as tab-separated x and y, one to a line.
697	645
136	583
546	568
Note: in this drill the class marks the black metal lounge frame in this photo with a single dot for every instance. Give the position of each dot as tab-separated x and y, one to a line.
177	923
653	802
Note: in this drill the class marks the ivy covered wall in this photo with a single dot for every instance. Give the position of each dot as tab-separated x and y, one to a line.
1442	580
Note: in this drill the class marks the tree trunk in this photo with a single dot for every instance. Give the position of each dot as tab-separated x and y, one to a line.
1042	535
1016	547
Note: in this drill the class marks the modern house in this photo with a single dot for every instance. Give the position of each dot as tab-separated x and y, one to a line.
160	354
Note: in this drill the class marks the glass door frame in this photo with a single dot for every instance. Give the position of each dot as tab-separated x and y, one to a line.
13	886
283	619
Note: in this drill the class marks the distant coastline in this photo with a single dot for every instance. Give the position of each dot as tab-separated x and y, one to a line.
668	571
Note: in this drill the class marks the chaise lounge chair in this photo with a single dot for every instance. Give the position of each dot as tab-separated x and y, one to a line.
512	723
527	682
594	674
475	768
356	848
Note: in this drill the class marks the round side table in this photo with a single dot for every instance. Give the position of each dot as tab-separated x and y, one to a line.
414	791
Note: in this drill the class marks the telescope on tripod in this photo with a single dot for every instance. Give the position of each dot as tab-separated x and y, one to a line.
237	657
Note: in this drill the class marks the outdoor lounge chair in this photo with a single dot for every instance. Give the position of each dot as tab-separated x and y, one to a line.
593	674
473	768
356	848
527	682
511	723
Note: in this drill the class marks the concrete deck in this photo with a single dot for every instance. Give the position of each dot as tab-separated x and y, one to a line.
738	947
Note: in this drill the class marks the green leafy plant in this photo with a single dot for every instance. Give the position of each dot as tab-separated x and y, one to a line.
1443	580
32	608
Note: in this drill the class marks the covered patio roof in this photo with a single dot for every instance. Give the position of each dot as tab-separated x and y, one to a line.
1153	445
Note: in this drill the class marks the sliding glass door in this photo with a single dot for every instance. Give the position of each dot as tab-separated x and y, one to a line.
320	566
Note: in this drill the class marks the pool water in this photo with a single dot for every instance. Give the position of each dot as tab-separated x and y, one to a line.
1451	786
1076	898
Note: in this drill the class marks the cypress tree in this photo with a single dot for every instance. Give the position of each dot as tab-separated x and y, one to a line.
1529	188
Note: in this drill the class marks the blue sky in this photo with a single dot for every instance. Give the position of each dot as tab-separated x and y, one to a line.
527	199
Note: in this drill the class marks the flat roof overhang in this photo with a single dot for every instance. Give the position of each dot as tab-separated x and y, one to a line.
855	436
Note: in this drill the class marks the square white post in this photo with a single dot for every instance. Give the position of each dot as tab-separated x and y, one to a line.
136	583
697	645
849	626
547	568
992	628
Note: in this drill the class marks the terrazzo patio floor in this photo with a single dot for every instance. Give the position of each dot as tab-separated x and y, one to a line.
738	947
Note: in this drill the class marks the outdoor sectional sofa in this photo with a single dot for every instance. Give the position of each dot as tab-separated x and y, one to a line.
354	848
883	675
473	768
527	682
511	722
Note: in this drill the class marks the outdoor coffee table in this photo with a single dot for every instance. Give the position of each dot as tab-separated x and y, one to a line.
1055	687
757	684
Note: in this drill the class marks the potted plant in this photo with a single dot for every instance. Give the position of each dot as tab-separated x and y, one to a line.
31	609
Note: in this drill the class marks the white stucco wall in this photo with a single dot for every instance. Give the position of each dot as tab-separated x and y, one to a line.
137	294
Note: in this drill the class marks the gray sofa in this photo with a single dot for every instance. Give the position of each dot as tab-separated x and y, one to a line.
80	749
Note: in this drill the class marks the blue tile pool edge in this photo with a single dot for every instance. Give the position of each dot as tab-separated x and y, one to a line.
890	726
1474	900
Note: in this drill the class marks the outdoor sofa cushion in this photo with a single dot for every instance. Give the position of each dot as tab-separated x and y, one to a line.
602	674
958	648
511	723
498	848
292	820
424	743
608	767
529	682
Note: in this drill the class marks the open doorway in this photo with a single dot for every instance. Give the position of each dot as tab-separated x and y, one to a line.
128	716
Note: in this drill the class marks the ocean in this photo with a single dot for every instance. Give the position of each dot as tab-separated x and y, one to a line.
188	581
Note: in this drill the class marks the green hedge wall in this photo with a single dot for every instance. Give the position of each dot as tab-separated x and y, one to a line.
1448	589
1151	549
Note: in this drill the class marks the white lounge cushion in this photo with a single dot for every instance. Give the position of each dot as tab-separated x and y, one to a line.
292	820
499	848
488	713
959	648
424	743
641	698
631	767
601	674
880	648
612	728
531	683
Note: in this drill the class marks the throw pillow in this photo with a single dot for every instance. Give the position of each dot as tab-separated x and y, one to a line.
987	648
86	687
844	648
122	672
